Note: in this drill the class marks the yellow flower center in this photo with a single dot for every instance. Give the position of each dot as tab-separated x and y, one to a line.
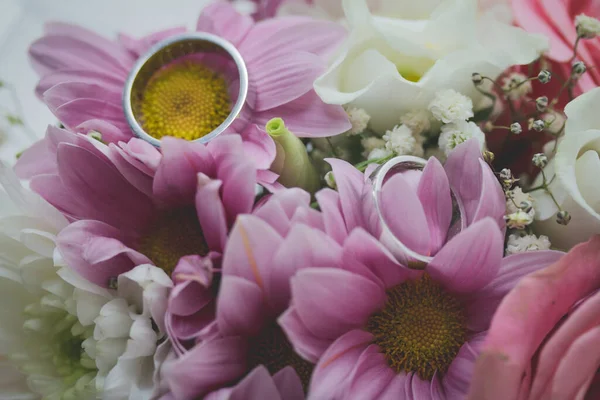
185	100
420	329
272	349
173	234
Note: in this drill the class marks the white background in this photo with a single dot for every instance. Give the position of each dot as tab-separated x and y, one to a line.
22	21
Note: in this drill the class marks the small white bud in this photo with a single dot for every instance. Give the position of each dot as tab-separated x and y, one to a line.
541	103
587	27
538	125
563	217
517	200
477	78
516	128
544	76
516	86
540	160
330	180
377	154
506	174
578	69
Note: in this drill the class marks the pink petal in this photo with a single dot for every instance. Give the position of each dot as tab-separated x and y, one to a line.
471	259
331	375
128	168
288	384
211	213
193	277
109	132
350	185
434	194
403	212
492	202
258	146
238	190
303	247
36	160
371	375
481	305
138	47
458	377
331	302
281	207
333	220
107	195
79	110
207	367
577	367
65	92
257	385
223	20
282	78
240	307
176	181
58	51
284	35
526	316
365	249
96	251
309	346
250	250
107	80
308	116
52	189
582	320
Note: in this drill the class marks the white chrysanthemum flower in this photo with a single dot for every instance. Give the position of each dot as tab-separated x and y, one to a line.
378	154
587	27
69	338
454	134
359	120
514	198
418	121
451	106
516	86
401	141
521	244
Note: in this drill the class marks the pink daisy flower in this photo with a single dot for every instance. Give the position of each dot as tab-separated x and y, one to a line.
378	330
83	76
426	200
264	250
544	340
131	204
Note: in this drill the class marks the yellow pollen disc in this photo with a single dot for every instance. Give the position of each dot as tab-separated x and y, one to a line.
420	329
185	100
172	235
272	349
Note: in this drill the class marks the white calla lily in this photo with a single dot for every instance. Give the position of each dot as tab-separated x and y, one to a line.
396	60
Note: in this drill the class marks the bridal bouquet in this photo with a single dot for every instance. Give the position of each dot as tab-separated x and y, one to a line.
322	199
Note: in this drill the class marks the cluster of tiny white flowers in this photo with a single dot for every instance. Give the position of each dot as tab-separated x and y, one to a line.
370	144
401	141
516	86
451	106
521	244
418	121
359	120
587	27
459	132
518	220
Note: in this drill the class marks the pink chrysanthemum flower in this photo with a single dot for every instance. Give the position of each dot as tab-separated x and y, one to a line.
264	250
131	204
378	330
83	76
544	340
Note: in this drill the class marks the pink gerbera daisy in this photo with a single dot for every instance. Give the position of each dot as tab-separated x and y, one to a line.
131	204
264	250
83	76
